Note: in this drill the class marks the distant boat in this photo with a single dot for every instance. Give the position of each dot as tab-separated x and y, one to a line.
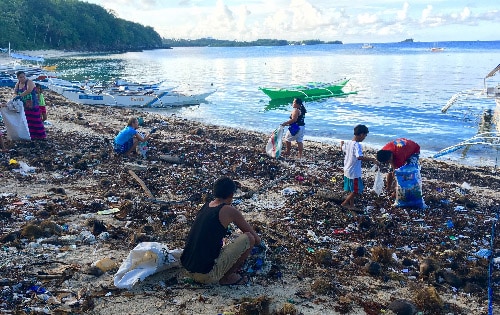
436	48
367	46
27	57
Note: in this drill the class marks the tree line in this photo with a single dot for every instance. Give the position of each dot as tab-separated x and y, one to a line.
70	25
81	26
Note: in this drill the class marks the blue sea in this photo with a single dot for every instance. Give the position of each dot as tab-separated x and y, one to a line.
401	88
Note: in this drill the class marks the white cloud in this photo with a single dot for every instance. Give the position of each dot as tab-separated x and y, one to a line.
349	21
426	13
402	14
367	18
465	14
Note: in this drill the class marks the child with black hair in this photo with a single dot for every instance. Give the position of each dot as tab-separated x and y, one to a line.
353	183
397	153
41	102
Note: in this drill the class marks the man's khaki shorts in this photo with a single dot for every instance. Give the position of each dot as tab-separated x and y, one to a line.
228	256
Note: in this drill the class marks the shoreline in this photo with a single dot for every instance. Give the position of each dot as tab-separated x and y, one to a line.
315	262
476	156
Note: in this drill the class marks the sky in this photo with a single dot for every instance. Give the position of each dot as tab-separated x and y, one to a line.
353	21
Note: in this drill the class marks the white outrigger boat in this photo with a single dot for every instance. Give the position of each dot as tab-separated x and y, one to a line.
491	139
485	137
126	95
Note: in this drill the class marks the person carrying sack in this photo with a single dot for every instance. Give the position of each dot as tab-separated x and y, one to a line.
296	129
26	92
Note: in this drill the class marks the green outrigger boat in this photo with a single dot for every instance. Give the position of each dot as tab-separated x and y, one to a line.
309	92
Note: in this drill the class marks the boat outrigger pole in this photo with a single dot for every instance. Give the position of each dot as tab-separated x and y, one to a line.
492	73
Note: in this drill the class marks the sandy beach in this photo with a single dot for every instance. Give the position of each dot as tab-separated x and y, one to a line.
320	259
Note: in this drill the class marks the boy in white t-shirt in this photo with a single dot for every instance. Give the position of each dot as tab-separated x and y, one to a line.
353	182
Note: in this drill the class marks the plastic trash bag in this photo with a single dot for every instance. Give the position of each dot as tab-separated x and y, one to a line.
145	259
275	142
15	121
15	105
142	148
409	186
26	168
257	263
378	183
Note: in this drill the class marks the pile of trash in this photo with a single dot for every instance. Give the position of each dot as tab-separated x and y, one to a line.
74	215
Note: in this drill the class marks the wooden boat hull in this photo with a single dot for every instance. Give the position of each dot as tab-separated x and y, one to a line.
282	102
164	99
130	95
312	90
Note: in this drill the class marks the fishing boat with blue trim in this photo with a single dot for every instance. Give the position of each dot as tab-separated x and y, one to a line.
128	95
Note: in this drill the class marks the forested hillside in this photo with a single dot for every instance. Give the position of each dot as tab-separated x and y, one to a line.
70	25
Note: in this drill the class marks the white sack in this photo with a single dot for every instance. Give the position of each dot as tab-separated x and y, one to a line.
145	259
273	147
15	121
378	183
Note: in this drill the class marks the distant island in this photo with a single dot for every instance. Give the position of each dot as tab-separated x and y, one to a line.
211	42
408	40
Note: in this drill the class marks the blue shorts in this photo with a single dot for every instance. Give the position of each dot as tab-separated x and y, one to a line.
353	185
124	148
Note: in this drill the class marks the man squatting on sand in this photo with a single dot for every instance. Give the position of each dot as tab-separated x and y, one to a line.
204	256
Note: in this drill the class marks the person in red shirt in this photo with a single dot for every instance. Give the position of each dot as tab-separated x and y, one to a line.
398	153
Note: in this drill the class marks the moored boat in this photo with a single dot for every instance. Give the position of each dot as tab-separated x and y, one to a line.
489	128
126	96
162	99
311	91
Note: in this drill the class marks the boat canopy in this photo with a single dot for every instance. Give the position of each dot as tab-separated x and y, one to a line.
27	57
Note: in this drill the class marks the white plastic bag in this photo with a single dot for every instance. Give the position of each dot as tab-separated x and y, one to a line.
15	121
15	105
145	259
142	147
378	183
275	142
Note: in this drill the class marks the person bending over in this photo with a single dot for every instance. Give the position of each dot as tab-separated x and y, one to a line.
398	153
204	256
